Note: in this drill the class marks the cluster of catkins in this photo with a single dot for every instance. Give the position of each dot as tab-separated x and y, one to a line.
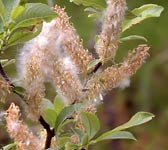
57	56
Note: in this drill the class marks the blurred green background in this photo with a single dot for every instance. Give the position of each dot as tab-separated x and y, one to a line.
148	90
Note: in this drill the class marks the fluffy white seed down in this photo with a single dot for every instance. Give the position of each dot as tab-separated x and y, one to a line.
124	83
45	59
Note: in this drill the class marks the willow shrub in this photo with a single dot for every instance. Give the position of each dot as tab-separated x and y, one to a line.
53	52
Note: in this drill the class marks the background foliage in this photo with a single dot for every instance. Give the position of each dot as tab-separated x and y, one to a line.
148	89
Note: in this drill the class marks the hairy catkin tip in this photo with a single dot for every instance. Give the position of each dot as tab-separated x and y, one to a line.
108	41
135	59
17	130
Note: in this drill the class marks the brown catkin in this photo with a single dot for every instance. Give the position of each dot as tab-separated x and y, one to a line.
112	76
71	42
66	82
62	63
108	41
19	131
31	77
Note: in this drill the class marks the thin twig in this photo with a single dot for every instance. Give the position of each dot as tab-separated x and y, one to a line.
50	132
4	75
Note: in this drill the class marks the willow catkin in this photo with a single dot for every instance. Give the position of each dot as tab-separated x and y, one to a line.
19	131
72	43
112	76
62	63
30	76
107	43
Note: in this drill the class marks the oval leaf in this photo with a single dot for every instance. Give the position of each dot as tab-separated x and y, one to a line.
48	112
58	104
24	34
64	114
33	14
50	116
115	135
137	119
142	13
17	11
148	10
91	123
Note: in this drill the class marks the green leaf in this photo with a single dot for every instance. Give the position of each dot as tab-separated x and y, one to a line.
17	11
6	62
23	34
93	64
10	5
64	114
62	141
10	147
133	37
114	135
48	112
137	119
80	133
98	4
71	146
3	61
85	140
68	121
33	14
50	116
129	14
91	123
19	89
2	11
148	10
58	104
142	13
